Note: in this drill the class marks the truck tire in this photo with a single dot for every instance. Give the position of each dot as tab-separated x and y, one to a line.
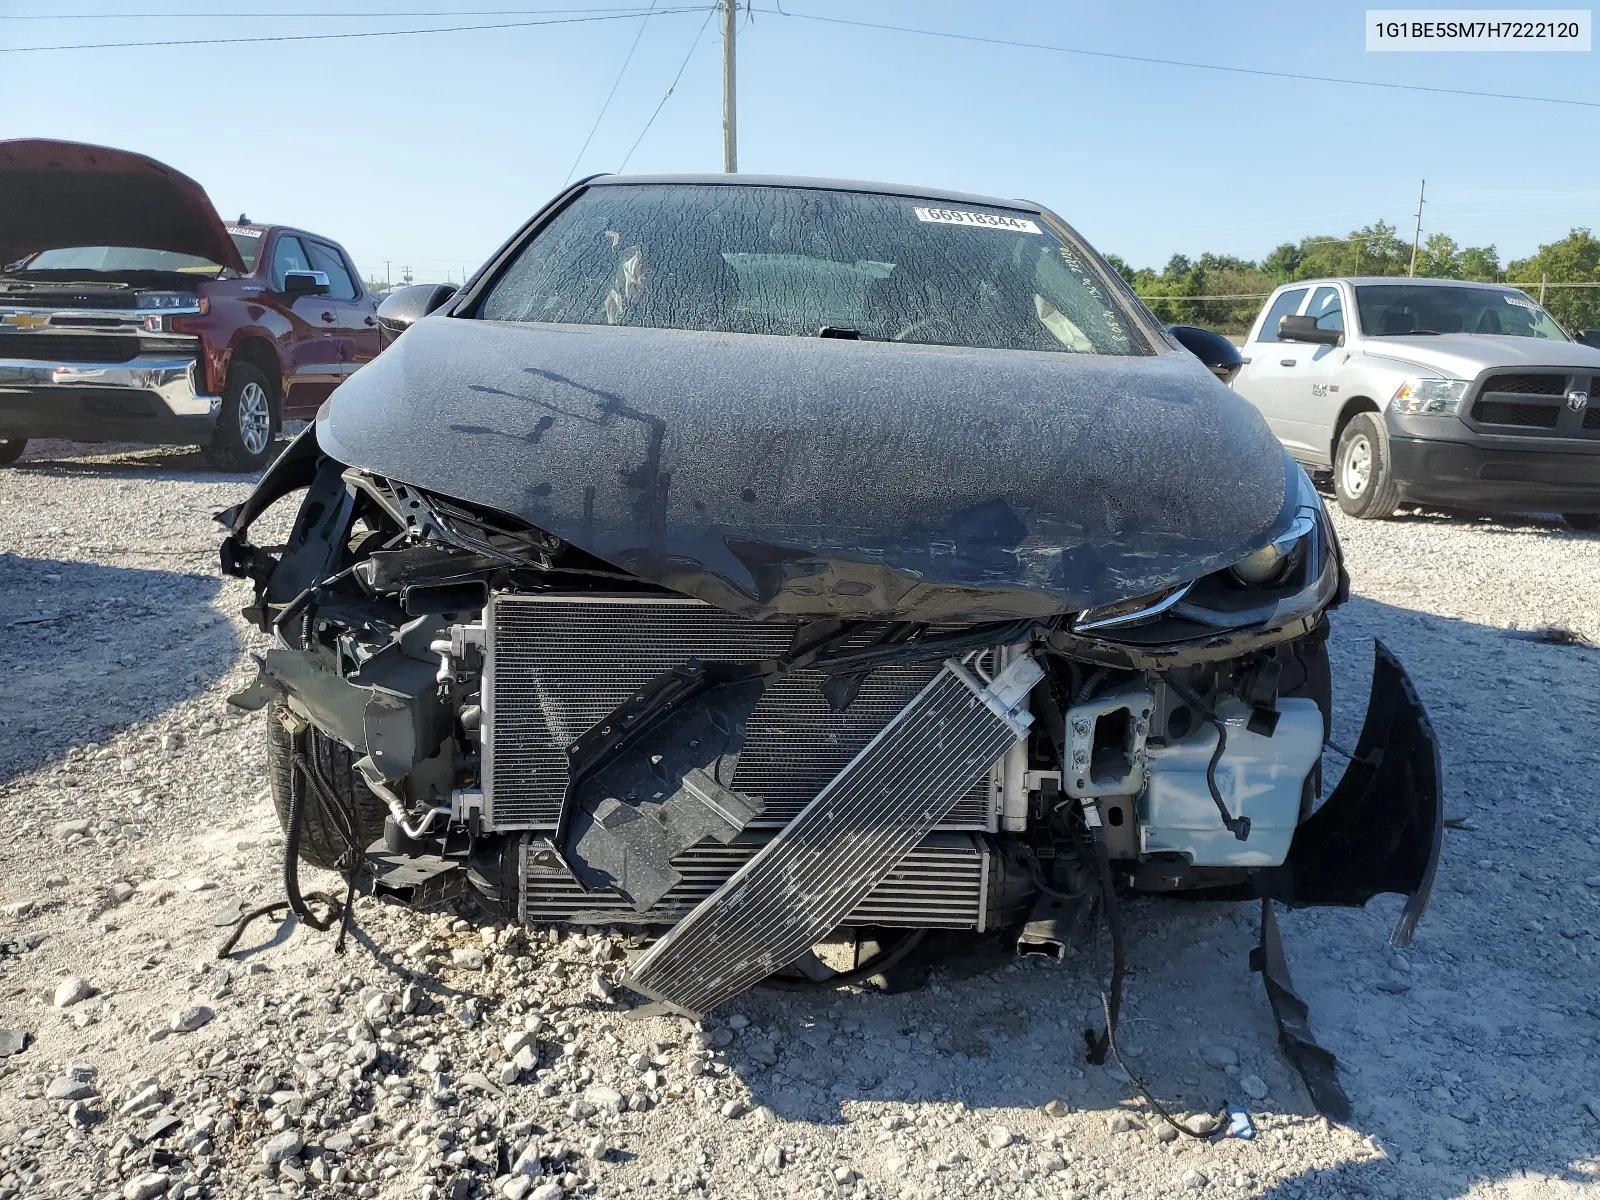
1587	522
242	440
11	449
322	843
1363	472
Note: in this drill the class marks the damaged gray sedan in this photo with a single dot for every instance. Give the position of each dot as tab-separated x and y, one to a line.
766	561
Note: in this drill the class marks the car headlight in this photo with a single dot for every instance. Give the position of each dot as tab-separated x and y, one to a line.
1430	397
1272	563
1131	611
165	300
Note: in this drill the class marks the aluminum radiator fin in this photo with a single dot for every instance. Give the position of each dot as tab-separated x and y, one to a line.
809	878
939	885
557	664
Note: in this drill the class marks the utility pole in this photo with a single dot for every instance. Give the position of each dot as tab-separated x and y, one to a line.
1417	236
730	97
386	284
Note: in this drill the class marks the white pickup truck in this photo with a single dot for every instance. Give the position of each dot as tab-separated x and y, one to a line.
1429	391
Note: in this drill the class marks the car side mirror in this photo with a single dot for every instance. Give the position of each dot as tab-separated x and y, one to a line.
404	306
1590	337
305	283
1216	351
1304	329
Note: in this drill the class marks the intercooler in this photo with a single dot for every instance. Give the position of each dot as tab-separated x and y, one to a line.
556	664
943	883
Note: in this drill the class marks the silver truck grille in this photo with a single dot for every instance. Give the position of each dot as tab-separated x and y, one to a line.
556	664
941	884
825	862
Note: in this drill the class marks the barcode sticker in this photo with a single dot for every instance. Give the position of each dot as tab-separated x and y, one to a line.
956	216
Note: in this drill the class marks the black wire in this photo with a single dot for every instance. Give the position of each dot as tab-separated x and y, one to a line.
693	46
1111	999
368	33
1174	62
876	965
271	15
291	845
1238	826
615	84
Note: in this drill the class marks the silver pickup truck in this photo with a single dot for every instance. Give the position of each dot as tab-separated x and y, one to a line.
1429	391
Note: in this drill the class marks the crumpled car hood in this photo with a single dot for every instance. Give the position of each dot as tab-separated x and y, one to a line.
808	476
56	194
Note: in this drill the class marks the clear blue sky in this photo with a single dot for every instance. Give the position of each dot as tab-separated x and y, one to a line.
431	149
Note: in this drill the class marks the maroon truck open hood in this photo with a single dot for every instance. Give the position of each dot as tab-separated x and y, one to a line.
56	194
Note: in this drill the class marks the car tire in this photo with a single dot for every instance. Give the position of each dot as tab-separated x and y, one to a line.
242	440
1587	522
1363	471
322	842
11	449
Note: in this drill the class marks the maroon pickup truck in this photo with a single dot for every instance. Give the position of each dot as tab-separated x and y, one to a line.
130	312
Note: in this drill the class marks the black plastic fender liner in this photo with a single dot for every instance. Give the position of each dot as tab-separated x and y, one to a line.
1381	828
293	469
1318	1068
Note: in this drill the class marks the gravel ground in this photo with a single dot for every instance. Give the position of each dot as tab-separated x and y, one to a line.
437	1059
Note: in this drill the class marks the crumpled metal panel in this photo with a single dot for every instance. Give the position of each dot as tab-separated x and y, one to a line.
812	476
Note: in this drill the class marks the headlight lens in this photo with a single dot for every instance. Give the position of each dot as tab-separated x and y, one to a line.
1272	563
1430	397
1130	611
166	300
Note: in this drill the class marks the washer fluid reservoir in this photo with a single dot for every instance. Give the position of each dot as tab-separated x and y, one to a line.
1259	777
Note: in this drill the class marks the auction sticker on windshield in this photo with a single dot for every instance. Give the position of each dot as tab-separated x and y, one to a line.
241	231
956	216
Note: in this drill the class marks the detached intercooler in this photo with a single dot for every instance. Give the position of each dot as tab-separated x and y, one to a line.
857	830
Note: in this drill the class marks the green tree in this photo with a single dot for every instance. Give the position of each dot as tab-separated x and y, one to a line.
1574	259
1481	263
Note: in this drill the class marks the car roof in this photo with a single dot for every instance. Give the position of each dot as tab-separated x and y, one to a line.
820	184
1399	279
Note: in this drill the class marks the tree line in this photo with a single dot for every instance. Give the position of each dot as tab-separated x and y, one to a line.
1177	293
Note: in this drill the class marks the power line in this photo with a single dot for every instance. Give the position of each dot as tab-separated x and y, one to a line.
617	82
1174	62
270	15
369	33
693	46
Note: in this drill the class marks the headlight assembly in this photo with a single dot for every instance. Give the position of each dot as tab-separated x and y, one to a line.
1430	397
1272	563
167	301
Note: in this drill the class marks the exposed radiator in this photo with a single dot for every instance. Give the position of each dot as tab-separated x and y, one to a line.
942	884
856	832
554	665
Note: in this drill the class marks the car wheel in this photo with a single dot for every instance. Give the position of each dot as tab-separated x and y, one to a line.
1363	477
322	840
11	449
1588	522
242	440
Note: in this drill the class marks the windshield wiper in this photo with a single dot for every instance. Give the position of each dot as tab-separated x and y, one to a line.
839	331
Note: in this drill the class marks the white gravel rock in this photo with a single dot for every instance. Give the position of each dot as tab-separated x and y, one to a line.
187	1020
146	1187
284	1145
71	990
